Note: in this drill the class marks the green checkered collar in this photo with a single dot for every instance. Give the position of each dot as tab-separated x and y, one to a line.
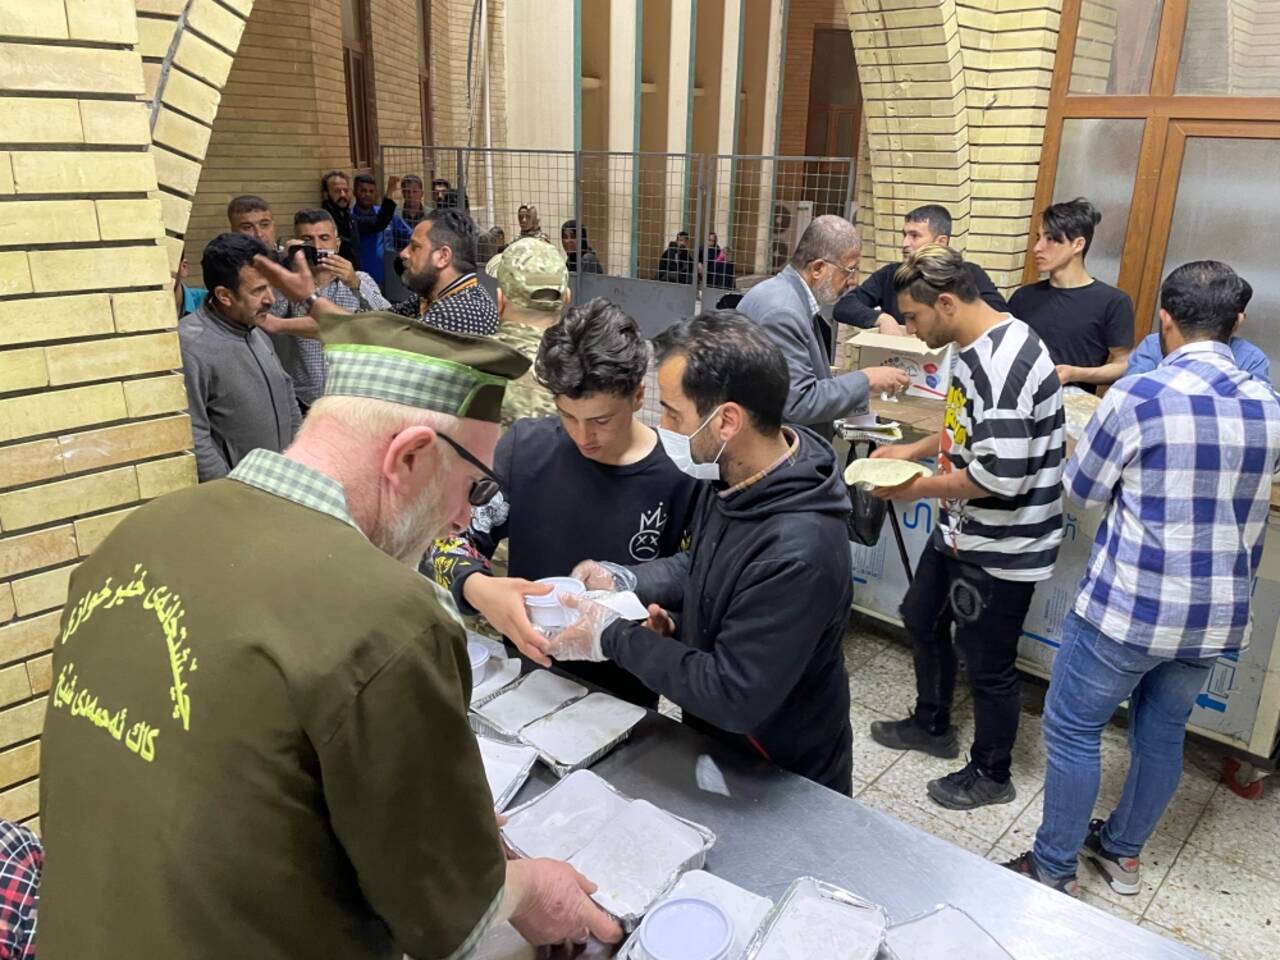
278	475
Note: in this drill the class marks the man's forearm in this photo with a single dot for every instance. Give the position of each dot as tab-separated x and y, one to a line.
1108	373
925	449
303	326
948	486
1102	376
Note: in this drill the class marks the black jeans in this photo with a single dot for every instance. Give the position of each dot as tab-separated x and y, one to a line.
987	626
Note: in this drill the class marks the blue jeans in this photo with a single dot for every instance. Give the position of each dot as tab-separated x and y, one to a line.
1092	675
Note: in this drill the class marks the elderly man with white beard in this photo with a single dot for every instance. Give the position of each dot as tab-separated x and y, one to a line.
267	703
823	267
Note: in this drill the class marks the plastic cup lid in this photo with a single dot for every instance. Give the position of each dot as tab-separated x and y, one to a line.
478	654
687	928
560	585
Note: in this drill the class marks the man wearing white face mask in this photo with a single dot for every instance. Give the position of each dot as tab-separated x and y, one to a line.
745	625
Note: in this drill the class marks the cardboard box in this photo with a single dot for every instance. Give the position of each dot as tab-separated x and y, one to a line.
929	370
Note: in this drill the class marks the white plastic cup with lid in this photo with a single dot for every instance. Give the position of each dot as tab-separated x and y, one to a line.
547	610
686	928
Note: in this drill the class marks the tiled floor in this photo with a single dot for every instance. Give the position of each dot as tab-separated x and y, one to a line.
1211	872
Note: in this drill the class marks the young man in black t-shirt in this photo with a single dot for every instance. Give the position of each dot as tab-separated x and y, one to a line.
1086	324
593	481
874	302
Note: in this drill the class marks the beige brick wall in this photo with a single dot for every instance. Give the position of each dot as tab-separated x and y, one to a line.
956	95
797	65
393	34
92	415
283	116
450	27
282	120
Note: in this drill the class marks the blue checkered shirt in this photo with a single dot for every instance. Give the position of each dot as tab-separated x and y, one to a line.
1184	458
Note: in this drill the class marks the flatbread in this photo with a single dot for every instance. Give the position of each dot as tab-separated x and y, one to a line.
884	472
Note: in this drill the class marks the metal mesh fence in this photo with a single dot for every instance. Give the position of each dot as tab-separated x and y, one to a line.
716	223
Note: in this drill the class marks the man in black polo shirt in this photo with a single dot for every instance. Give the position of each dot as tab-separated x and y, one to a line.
874	303
593	481
1085	323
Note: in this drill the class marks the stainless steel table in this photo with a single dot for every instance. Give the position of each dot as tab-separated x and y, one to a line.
772	827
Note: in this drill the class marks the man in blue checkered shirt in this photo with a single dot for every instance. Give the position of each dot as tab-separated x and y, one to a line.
1184	458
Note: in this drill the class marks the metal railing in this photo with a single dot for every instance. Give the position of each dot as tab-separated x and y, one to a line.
742	214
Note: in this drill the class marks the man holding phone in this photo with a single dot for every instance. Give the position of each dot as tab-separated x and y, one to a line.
336	279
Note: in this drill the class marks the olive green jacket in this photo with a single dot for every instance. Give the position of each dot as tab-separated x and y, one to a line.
257	744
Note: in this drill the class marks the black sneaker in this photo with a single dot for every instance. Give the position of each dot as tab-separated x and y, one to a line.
968	789
1121	873
1026	866
909	735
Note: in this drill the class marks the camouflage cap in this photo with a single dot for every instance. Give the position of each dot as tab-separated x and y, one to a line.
384	356
531	273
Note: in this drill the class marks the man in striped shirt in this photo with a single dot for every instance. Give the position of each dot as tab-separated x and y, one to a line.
1000	455
1183	458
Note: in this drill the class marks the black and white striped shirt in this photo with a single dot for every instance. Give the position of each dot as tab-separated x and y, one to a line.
1004	423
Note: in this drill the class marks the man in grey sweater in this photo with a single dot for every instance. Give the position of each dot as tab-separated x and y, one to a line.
823	267
238	396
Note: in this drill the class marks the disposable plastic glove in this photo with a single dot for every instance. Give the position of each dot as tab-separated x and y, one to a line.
582	639
603	575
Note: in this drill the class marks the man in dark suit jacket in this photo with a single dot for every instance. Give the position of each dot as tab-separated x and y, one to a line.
787	306
875	302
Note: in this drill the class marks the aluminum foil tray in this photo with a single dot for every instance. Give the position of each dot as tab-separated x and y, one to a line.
498	674
636	857
506	767
745	910
943	931
528	699
817	919
632	850
576	736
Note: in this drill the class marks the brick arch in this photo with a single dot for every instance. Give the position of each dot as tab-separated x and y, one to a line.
106	107
945	126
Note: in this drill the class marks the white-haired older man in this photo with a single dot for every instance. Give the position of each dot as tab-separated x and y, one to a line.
267	703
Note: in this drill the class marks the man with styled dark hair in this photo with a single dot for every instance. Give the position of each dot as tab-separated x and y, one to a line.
999	455
594	479
746	626
238	395
438	265
1183	459
336	197
823	266
874	302
440	269
1147	355
1086	324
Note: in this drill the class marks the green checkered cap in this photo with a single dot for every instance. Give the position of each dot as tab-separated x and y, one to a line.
383	356
531	273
